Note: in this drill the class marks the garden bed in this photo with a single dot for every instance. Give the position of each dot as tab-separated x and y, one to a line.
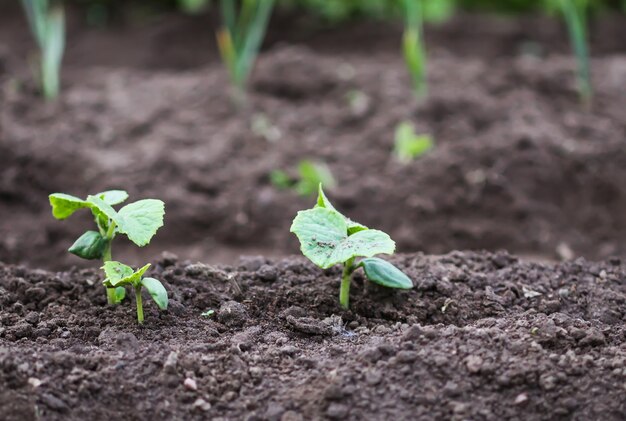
481	336
519	164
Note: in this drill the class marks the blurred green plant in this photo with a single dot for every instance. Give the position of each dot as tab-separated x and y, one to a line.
193	6
408	145
413	46
575	14
240	37
47	23
310	176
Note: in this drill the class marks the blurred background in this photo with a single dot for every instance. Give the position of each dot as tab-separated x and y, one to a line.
450	124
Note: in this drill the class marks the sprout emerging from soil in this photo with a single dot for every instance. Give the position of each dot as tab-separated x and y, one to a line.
139	221
328	238
118	275
413	45
47	23
240	38
310	175
408	145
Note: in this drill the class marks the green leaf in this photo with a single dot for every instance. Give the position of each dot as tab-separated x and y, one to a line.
323	202
64	205
409	145
113	197
120	294
115	272
157	291
141	220
323	235
280	179
384	273
313	175
101	209
90	245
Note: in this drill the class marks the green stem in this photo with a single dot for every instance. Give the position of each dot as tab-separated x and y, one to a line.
139	303
106	257
346	278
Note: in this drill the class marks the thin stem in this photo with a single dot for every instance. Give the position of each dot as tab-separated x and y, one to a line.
106	257
139	303
346	278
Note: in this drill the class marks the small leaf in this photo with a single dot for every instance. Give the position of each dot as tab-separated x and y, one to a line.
157	291
324	239
113	197
409	145
101	209
312	175
384	273
120	294
89	246
141	220
323	202
280	179
116	272
207	313
64	205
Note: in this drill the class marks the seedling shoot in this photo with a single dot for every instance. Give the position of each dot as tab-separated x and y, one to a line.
118	275
413	46
328	238
408	145
47	23
139	221
310	176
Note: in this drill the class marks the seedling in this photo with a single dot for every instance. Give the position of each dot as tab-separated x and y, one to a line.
310	176
574	12
239	39
47	23
193	6
408	145
413	45
139	221
328	238
207	314
118	275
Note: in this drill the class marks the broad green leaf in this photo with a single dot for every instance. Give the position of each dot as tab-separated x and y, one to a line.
119	274
141	220
384	273
89	246
324	239
157	291
113	197
101	209
116	271
323	202
64	205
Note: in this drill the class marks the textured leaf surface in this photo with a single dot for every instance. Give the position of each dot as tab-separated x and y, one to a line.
118	274
113	197
384	273
89	246
64	205
141	220
324	239
157	291
323	202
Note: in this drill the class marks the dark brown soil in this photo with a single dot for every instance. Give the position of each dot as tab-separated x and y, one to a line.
481	336
519	163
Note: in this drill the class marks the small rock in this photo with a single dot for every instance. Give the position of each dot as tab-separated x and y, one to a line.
413	333
171	362
473	363
201	404
35	294
232	314
521	398
372	378
337	411
371	354
190	384
119	339
34	382
32	318
251	263
289	350
267	273
593	337
53	402
21	330
309	325
407	356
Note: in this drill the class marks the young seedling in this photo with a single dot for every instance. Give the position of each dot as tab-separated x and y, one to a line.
310	176
47	23
408	145
139	221
574	12
328	238
119	275
413	46
239	39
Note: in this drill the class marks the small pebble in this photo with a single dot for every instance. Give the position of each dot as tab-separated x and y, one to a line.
190	384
